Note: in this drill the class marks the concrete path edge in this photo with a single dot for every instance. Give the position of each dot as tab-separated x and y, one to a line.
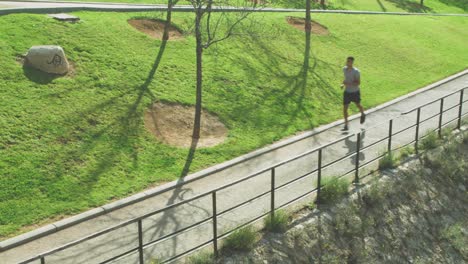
73	220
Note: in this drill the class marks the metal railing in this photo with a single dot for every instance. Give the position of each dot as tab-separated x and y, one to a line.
321	165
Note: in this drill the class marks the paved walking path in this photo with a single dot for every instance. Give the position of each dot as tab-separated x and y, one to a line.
63	6
116	242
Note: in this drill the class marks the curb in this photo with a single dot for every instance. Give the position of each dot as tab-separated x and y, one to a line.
62	224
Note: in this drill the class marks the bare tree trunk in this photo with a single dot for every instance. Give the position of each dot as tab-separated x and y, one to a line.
322	3
308	29
422	2
199	51
308	19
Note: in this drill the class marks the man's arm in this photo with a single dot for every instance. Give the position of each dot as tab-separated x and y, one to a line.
357	79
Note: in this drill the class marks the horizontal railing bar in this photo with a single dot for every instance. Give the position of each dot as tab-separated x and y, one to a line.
180	255
178	232
429	118
431	102
311	151
243	203
374	143
121	255
344	174
297	198
372	160
339	160
243	225
451	108
403	130
451	120
295	180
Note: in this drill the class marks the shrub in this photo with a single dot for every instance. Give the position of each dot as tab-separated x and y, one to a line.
278	223
242	239
406	152
202	258
431	141
333	189
388	161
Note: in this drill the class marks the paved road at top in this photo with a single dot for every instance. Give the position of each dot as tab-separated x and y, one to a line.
124	239
35	6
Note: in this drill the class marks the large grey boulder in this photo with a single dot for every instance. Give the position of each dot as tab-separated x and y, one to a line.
50	59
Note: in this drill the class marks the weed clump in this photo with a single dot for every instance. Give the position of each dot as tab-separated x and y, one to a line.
388	161
278	223
202	258
242	239
333	189
431	141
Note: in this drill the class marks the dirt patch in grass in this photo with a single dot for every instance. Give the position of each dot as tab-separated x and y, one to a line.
155	28
299	23
173	125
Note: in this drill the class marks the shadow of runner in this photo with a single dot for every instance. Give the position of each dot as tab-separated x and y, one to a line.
352	148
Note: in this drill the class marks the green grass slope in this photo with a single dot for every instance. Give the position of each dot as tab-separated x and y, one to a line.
430	6
68	144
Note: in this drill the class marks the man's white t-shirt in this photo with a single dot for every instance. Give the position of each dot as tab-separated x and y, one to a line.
351	76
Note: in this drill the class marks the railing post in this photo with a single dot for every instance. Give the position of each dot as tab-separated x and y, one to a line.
440	117
390	133
272	208
42	260
319	176
358	150
460	109
215	226
418	118
140	241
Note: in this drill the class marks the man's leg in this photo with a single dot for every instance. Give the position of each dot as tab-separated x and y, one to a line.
361	109
345	114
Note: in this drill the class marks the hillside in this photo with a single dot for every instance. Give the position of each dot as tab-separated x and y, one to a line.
75	142
430	6
415	214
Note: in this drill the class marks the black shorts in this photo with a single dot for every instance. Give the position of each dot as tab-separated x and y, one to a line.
351	97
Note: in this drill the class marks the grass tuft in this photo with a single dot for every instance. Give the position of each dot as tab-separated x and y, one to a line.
333	189
202	258
278	223
406	152
388	161
242	239
431	141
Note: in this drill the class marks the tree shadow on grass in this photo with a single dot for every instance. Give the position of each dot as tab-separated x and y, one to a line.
410	6
384	9
462	4
302	93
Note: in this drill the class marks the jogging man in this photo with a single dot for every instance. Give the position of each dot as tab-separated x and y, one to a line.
352	80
